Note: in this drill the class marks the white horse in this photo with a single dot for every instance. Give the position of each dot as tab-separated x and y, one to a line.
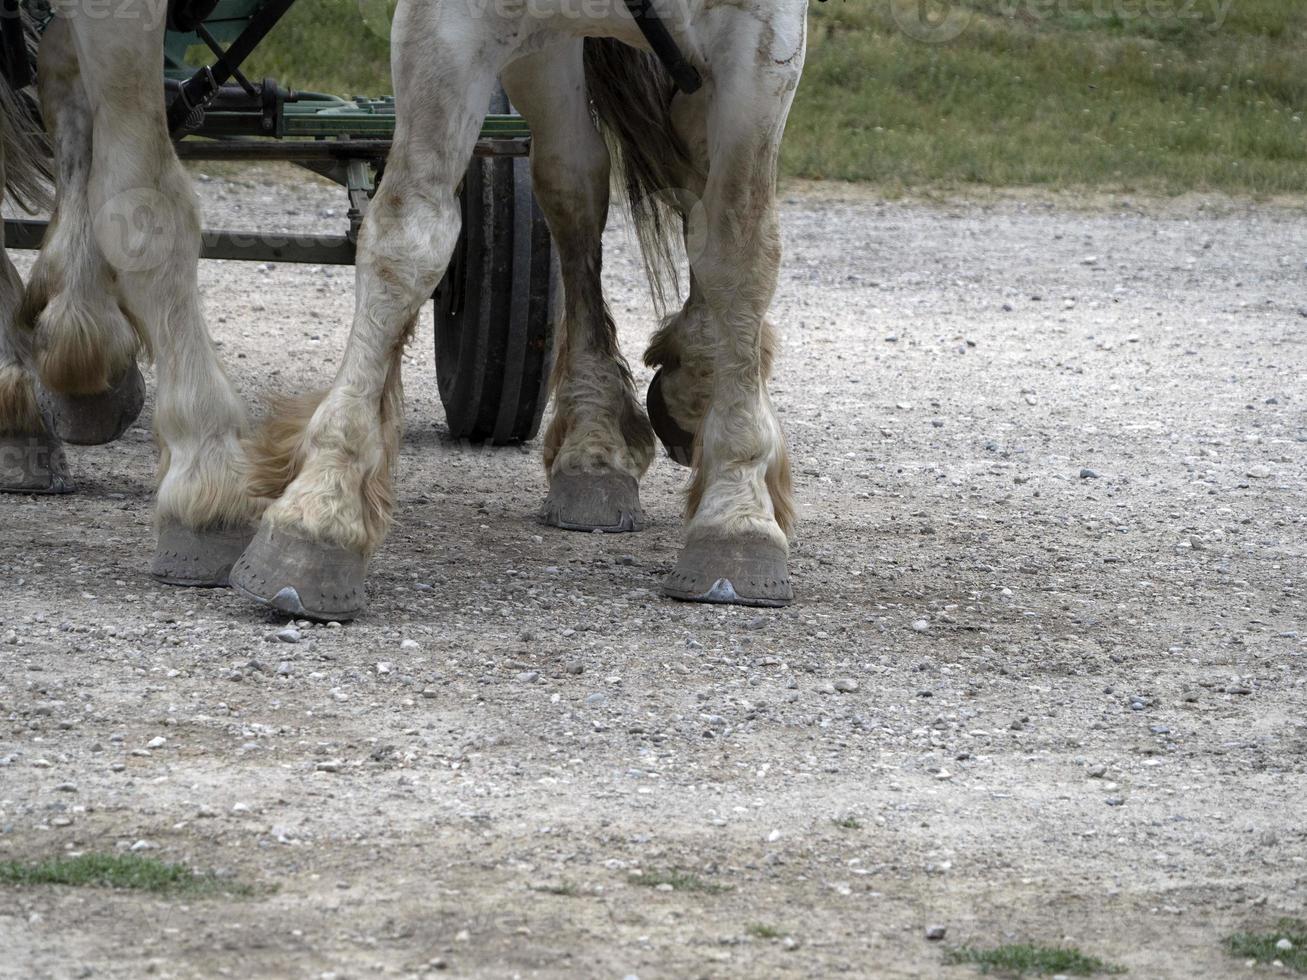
313	487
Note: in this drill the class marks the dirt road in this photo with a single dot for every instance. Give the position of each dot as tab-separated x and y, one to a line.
1044	680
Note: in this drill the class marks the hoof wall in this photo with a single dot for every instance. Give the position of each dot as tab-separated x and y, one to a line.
300	576
742	573
198	558
678	442
33	464
608	502
93	420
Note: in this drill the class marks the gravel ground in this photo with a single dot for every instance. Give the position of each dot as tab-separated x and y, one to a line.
1044	680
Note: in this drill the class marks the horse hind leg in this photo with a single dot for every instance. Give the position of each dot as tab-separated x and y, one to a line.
31	455
84	346
599	443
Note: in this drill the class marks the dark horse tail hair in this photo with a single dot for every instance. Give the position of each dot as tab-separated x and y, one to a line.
631	93
27	162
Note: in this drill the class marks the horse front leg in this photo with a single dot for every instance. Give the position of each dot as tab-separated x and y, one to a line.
739	508
311	553
146	225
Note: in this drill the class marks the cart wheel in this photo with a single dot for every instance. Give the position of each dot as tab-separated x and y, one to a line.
495	308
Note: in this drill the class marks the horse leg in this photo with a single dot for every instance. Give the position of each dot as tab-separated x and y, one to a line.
84	346
599	443
310	555
31	455
682	350
739	510
146	225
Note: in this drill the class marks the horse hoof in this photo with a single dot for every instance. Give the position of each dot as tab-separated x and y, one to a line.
33	464
300	576
608	502
678	442
747	572
199	558
93	420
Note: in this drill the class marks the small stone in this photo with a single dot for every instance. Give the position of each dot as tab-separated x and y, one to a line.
66	788
1087	474
288	634
157	742
1097	772
409	645
1259	472
920	625
143	845
329	765
1284	944
936	933
529	676
385	667
1115	801
846	684
576	667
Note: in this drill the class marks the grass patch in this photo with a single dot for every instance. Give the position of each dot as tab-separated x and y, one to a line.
759	930
127	871
1165	96
1020	959
847	823
681	881
1260	946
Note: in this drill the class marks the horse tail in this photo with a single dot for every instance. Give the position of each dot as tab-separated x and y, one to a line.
631	93
27	162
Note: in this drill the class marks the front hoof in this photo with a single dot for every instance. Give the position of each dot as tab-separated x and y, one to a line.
300	576
748	572
608	502
200	558
33	464
93	420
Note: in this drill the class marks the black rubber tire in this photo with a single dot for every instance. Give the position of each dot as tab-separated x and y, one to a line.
495	308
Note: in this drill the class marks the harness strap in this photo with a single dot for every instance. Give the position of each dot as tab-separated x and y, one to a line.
684	74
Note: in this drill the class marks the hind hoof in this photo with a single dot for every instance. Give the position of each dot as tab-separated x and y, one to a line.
608	502
300	576
678	442
33	464
748	572
197	558
93	420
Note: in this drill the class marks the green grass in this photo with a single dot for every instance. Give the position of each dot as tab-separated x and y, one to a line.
681	881
1020	959
128	871
1107	94
759	930
847	823
1260	946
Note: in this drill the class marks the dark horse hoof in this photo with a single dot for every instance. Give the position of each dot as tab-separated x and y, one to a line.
300	576
92	420
608	502
744	572
33	464
200	558
678	442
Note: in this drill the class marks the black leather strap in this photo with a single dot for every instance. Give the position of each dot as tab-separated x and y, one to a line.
684	74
